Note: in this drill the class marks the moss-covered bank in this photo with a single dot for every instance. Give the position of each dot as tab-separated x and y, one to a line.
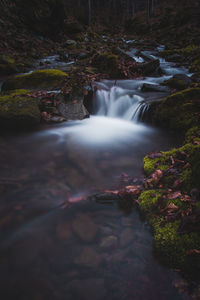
171	196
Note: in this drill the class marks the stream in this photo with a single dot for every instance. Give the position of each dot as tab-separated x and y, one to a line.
82	250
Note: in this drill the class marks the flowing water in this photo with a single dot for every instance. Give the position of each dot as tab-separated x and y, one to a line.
52	248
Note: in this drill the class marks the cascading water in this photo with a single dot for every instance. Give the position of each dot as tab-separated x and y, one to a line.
116	103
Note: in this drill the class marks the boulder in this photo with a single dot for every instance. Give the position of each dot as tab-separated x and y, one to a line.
106	62
37	80
7	65
179	111
150	67
179	82
148	87
18	108
126	237
73	110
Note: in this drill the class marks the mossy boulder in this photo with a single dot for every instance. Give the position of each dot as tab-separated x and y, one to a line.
106	62
7	65
150	67
38	80
18	108
178	81
179	111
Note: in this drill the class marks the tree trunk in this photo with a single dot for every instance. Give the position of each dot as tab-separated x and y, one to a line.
89	12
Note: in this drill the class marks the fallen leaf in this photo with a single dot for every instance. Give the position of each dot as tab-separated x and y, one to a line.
192	251
174	195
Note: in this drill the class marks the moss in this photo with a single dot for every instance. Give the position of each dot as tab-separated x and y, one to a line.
174	246
173	111
7	65
17	108
151	164
148	199
192	135
42	79
106	62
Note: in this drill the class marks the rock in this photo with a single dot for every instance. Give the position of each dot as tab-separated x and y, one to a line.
84	227
150	67
106	62
126	237
7	65
179	110
87	289
179	82
73	110
18	108
109	242
88	258
88	99
148	87
70	43
38	80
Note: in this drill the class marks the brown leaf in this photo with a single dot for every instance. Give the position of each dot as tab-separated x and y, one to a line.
155	155
193	251
174	195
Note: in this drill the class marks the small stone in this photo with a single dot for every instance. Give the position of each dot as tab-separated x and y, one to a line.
84	227
89	258
109	242
70	43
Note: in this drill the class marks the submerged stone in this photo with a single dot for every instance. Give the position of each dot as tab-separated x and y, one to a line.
84	227
38	80
89	258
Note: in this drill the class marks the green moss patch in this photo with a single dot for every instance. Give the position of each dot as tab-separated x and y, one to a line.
106	62
18	108
42	79
179	111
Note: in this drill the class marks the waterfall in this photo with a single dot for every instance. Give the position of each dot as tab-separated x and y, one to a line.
119	103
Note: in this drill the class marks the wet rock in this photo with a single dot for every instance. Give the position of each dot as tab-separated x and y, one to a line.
126	237
88	99
89	258
87	289
73	110
106	230
70	43
105	198
148	87
18	108
150	67
84	227
38	80
179	82
109	242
